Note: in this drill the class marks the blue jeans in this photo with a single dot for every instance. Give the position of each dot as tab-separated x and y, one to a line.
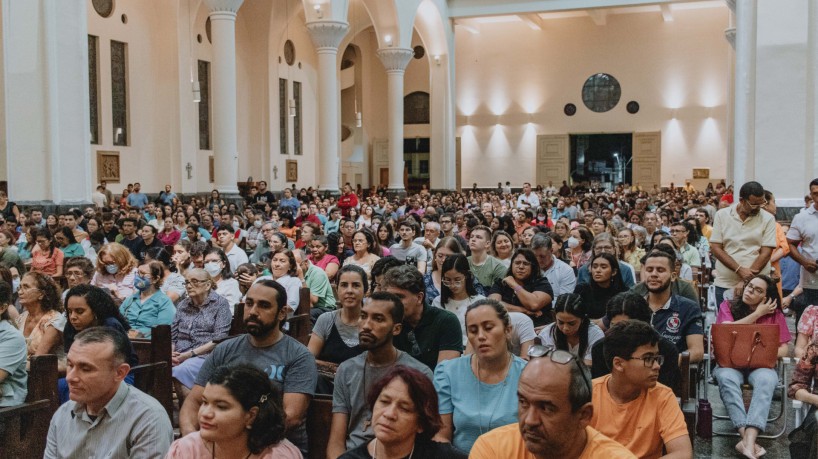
719	297
764	381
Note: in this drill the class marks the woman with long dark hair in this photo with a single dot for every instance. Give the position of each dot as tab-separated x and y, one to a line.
572	329
524	289
241	416
606	281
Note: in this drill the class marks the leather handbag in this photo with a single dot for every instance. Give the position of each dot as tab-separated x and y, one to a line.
746	346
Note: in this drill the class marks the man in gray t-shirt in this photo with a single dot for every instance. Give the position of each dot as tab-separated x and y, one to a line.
406	248
381	319
288	363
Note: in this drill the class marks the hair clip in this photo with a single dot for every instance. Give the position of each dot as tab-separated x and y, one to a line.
263	399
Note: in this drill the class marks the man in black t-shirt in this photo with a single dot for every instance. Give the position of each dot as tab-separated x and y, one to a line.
264	195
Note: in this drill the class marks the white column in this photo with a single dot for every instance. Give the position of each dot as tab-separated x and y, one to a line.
44	118
745	90
327	35
812	91
395	61
223	93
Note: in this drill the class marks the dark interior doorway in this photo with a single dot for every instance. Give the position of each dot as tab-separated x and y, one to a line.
601	160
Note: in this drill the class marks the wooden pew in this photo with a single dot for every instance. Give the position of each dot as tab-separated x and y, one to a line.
300	323
319	418
687	401
154	374
25	427
237	325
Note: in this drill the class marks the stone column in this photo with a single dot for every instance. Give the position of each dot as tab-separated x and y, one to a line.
223	93
327	35
395	61
745	92
812	91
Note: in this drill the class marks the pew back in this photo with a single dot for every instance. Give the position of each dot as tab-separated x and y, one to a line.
26	426
154	374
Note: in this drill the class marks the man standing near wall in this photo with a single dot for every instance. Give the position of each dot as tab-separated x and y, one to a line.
743	239
804	232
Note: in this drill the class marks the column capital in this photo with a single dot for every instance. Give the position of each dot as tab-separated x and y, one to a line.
327	34
395	60
223	6
731	4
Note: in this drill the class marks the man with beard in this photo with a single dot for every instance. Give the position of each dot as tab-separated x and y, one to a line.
288	363
743	240
380	323
676	318
554	411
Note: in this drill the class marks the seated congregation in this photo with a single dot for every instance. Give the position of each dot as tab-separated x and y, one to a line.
484	324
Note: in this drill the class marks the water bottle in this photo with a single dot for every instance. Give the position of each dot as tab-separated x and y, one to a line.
704	421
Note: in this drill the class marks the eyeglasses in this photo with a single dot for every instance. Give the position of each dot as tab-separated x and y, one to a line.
756	290
452	283
560	357
194	282
650	359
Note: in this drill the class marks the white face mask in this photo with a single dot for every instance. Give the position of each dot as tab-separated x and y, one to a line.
112	269
573	242
258	223
213	268
236	226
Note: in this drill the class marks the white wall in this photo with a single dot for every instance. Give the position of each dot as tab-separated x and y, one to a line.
508	71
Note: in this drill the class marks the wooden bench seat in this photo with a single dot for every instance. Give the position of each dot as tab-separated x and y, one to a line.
154	374
24	428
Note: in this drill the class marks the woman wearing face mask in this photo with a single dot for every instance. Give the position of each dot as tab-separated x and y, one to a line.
477	392
87	306
254	231
201	318
218	267
116	270
148	307
579	246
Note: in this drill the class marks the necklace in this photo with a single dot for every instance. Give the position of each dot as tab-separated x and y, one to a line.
368	422
213	452
375	449
498	398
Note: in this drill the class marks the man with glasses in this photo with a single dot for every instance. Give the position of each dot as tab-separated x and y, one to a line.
554	411
428	334
448	229
629	406
380	324
743	240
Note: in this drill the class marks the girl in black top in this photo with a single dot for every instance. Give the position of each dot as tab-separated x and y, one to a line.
606	281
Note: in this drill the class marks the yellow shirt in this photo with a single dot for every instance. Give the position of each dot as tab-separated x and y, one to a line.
507	443
742	240
643	425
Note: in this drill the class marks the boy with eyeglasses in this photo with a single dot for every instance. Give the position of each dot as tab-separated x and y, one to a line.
629	405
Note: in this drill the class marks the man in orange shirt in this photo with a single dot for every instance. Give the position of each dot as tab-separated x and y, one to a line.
629	405
554	409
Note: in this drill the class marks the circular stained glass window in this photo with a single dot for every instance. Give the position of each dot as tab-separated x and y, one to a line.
103	7
601	92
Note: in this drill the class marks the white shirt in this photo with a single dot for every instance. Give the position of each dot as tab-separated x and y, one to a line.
532	200
561	277
229	290
236	256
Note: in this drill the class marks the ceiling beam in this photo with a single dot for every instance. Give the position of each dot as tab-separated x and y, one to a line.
667	15
600	17
478	8
468	25
533	20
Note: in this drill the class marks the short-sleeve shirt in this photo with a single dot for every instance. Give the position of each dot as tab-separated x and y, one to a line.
192	445
776	318
144	315
288	364
507	443
138	200
13	355
742	240
509	296
594	334
318	283
489	272
352	384
195	326
414	250
643	425
804	228
677	320
438	330
808	325
49	319
323	328
475	406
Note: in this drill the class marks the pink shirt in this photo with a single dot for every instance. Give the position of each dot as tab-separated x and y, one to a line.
193	447
776	318
323	262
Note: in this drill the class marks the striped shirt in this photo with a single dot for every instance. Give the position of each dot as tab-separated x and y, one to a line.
133	425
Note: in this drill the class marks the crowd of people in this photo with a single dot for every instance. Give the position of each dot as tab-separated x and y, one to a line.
480	323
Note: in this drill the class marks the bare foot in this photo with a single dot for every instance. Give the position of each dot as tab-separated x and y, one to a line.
744	451
759	450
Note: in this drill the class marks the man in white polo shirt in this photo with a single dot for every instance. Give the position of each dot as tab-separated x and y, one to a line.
743	239
235	255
